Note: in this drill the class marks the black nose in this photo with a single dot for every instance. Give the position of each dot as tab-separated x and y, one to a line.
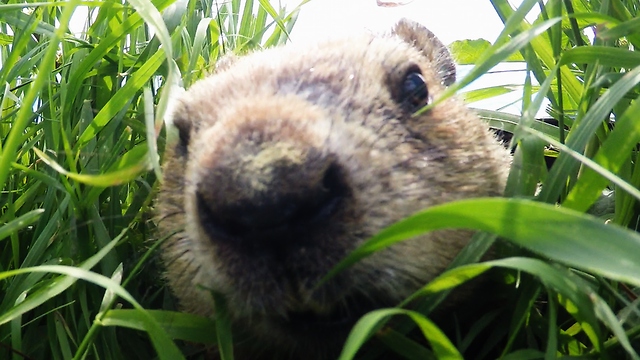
273	205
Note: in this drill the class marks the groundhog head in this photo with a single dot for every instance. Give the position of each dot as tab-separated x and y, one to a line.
290	158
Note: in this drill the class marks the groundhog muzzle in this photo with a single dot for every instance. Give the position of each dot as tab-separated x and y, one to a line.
290	158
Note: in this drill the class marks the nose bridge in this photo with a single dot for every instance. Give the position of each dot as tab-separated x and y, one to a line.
268	177
271	143
271	117
282	167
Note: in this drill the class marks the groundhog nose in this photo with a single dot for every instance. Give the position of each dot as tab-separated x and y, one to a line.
274	201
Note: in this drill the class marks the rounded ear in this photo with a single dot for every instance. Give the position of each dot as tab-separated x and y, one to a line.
424	40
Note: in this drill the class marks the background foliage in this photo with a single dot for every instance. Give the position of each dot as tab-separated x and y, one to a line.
81	127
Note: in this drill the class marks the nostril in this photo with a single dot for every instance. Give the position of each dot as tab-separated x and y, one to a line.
278	215
321	202
335	189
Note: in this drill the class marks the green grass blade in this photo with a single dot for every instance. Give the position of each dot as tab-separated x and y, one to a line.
282	27
18	223
196	52
223	327
370	323
24	114
115	177
509	122
100	51
121	98
403	345
554	232
178	325
628	28
497	54
163	344
580	136
59	286
602	55
622	140
541	51
485	93
579	299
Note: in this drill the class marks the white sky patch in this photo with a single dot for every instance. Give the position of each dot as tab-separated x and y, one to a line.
450	20
80	19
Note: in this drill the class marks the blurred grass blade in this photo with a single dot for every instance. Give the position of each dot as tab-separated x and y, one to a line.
115	177
623	185
178	325
154	20
163	344
621	30
548	230
370	323
18	223
541	54
152	132
196	53
509	122
485	93
223	327
622	140
23	117
266	5
110	296
121	98
603	55
586	304
496	54
581	134
554	279
404	346
469	52
59	286
101	50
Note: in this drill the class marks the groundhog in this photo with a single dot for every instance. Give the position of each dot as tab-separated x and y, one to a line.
290	158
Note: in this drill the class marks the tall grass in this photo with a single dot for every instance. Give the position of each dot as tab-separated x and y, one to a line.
81	129
82	126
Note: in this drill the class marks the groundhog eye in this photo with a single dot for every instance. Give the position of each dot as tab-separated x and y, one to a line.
414	90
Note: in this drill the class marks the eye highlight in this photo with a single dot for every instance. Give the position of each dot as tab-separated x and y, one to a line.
414	90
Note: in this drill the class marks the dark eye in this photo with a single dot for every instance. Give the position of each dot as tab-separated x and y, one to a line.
414	90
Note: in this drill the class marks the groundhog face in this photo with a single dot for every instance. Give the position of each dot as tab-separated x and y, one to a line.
290	158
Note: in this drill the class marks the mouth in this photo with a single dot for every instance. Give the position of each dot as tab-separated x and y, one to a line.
310	321
339	320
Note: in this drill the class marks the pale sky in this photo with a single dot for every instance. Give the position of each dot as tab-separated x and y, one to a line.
450	20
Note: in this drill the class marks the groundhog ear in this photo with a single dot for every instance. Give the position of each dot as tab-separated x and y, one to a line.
424	40
184	131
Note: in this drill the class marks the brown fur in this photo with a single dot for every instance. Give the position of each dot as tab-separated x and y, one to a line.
319	140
